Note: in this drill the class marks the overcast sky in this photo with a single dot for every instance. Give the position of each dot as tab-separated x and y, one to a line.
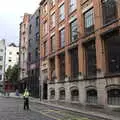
11	12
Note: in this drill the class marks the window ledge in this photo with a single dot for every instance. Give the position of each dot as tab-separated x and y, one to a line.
109	23
112	75
75	102
71	12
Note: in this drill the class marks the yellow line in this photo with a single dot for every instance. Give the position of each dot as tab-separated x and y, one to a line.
45	114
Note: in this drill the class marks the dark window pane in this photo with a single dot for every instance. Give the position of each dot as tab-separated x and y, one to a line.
114	97
92	96
74	95
112	43
109	10
62	66
74	62
90	58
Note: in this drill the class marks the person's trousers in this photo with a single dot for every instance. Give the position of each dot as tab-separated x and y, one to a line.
26	103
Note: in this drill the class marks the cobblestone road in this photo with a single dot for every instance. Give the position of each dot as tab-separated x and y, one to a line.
12	109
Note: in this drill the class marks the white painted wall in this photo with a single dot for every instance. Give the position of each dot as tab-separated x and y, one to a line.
12	53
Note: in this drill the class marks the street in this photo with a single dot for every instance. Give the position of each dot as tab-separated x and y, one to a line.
12	109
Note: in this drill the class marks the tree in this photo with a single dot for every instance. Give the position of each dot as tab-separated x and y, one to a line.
12	74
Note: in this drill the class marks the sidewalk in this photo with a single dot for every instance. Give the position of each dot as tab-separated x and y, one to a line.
89	110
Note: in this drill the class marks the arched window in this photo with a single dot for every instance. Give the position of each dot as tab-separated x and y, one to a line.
62	94
75	95
92	96
114	97
52	94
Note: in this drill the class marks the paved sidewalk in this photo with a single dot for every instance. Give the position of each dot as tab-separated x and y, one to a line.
76	108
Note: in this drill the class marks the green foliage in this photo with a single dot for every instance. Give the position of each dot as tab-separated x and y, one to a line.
12	74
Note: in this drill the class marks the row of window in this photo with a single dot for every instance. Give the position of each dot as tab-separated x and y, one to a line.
109	9
112	57
72	6
36	53
113	96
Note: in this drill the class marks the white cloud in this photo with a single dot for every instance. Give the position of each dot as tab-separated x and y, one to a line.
10	16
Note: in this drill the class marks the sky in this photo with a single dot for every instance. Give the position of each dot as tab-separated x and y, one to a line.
11	12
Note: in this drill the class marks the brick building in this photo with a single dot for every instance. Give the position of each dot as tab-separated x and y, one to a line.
23	49
80	50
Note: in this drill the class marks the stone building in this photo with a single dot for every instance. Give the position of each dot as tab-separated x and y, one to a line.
33	54
2	63
23	49
80	51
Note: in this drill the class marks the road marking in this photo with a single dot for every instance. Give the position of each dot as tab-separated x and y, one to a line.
66	116
45	114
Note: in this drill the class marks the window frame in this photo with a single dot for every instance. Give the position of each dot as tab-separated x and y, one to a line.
89	17
62	12
61	36
73	32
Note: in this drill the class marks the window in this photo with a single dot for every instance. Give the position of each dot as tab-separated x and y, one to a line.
0	77
53	20
52	94
0	67
29	57
37	36
72	5
45	48
62	67
89	21
10	59
90	51
112	44
92	96
29	42
73	31
62	94
75	95
74	62
52	68
45	27
1	58
62	12
53	46
37	21
30	29
114	97
10	53
36	52
1	50
109	10
62	38
17	53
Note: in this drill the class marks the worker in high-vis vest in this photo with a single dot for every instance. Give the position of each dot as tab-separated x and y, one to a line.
26	99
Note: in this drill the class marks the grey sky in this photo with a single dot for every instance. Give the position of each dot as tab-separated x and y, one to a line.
11	12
